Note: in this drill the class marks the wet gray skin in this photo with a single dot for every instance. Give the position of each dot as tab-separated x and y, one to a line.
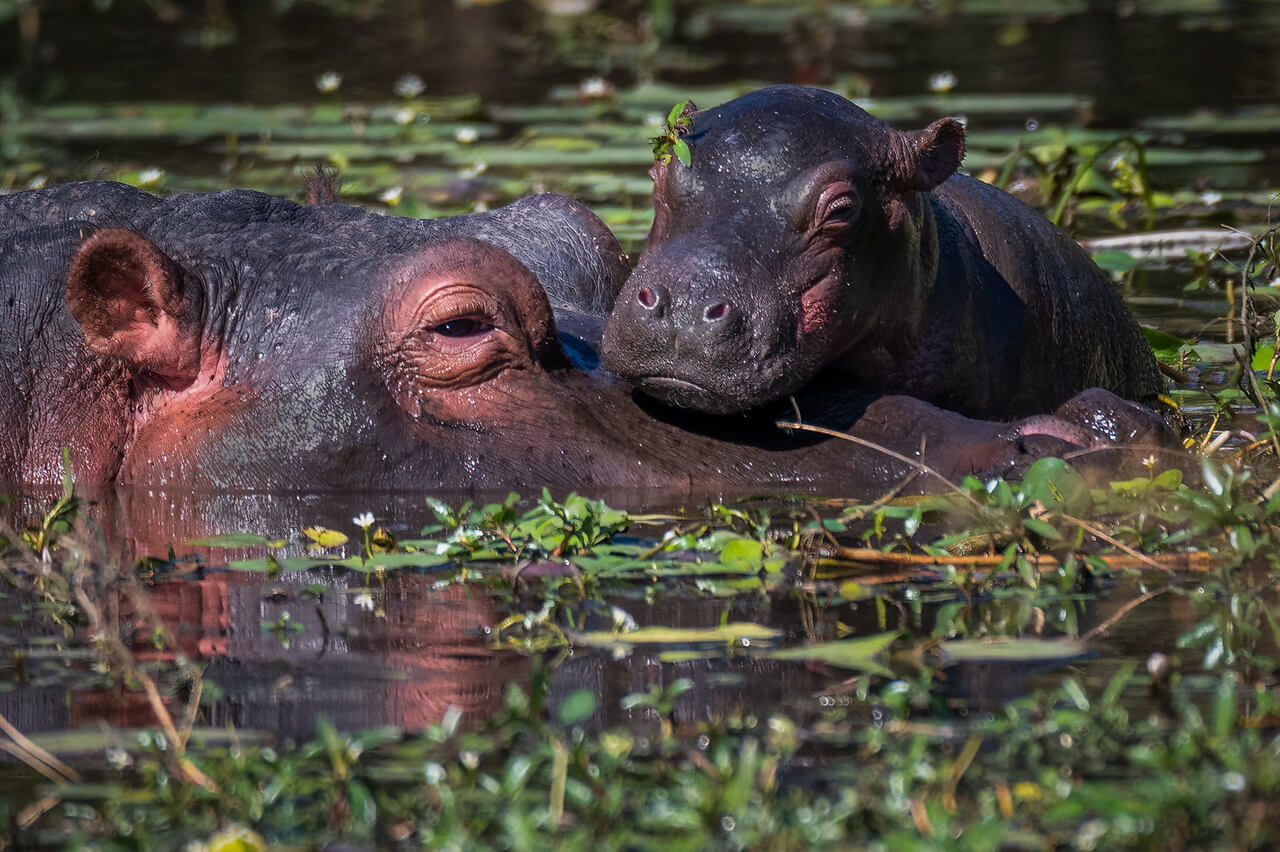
808	237
237	341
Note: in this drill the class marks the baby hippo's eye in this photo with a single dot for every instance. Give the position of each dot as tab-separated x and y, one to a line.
835	205
462	327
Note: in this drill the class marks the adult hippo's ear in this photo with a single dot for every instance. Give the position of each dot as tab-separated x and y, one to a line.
128	297
926	158
459	315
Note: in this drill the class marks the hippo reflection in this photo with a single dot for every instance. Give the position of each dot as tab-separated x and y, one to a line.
237	341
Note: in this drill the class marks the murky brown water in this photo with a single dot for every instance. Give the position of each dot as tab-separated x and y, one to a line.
402	650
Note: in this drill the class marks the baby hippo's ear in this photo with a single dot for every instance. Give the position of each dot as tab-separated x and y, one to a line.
128	297
928	157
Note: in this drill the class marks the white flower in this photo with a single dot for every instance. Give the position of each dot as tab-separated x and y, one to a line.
596	87
118	758
37	182
942	82
364	521
328	82
480	207
466	135
404	116
654	119
409	86
391	196
622	620
149	176
364	600
1210	198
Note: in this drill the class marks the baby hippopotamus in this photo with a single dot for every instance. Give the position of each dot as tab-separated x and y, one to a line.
807	237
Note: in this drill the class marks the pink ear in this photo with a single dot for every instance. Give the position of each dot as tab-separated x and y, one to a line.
930	156
127	296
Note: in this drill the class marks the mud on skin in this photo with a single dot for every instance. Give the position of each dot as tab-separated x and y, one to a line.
238	341
808	237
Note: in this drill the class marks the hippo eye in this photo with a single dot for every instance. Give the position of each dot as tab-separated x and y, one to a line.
462	327
835	205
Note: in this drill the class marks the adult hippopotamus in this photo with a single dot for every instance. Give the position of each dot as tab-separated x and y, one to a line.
237	341
807	236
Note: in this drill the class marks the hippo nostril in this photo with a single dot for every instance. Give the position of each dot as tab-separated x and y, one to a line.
716	312
648	298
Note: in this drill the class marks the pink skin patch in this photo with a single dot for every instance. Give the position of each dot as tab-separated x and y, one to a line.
819	304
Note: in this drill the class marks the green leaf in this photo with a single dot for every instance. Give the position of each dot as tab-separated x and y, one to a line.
674	114
1044	529
743	550
325	538
1014	650
681	149
1163	344
725	633
577	707
1056	484
237	540
1262	356
1115	261
859	653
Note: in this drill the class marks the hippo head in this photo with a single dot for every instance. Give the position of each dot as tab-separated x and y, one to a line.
796	229
320	367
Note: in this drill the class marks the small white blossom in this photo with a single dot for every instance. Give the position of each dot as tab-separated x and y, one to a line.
149	176
654	120
328	82
942	82
404	116
118	758
364	600
480	207
364	521
595	87
1210	198
391	196
409	86
466	135
452	716
37	182
622	620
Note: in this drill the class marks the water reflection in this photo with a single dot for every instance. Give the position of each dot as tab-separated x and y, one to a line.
280	653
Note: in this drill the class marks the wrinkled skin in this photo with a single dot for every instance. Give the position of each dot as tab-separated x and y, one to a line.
238	342
808	236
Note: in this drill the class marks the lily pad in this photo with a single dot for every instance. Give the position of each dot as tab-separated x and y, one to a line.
1006	649
733	633
860	653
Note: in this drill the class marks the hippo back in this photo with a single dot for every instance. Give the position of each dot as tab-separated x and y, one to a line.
1074	327
575	257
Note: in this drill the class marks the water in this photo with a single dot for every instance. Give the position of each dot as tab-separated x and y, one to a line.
401	649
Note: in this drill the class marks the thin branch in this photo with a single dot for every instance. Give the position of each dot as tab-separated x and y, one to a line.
872	445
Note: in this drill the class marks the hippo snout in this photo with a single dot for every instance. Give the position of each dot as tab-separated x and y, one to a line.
690	345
